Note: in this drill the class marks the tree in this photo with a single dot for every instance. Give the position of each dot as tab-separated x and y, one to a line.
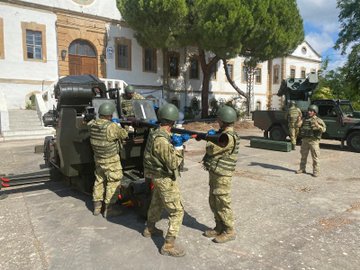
156	23
276	32
220	29
349	19
349	35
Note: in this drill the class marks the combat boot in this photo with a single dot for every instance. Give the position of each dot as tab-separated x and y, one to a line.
97	208
214	232
151	230
228	235
300	171
170	249
112	210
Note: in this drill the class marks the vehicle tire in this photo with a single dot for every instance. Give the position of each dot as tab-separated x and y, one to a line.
277	133
353	141
47	142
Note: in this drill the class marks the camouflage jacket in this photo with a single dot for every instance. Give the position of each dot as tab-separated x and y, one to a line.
126	104
293	116
161	159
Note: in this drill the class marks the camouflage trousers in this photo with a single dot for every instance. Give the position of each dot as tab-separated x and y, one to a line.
293	134
107	182
313	146
220	199
166	195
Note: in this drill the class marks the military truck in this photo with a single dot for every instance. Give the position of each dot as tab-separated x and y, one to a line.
342	121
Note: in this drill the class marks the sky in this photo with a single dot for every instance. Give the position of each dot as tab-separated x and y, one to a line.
322	26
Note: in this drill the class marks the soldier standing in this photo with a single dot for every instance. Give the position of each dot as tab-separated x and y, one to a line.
221	162
105	137
161	165
310	132
126	102
293	116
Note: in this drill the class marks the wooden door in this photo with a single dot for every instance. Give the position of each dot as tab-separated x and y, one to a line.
81	65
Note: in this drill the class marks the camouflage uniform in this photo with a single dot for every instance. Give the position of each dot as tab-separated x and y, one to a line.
311	136
126	104
293	116
104	138
221	162
161	165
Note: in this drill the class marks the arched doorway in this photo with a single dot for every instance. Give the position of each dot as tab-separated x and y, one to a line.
82	58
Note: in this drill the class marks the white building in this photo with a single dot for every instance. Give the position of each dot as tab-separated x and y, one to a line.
41	40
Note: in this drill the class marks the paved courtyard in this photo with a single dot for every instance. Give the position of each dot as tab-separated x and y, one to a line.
283	220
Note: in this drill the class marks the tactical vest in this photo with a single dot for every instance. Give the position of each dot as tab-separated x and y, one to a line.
98	138
152	164
224	163
307	131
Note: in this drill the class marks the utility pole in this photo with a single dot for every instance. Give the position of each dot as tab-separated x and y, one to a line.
250	74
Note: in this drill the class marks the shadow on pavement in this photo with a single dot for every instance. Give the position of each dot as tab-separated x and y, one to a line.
271	166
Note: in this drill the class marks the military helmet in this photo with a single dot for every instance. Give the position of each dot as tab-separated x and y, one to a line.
313	108
129	89
227	114
107	108
168	112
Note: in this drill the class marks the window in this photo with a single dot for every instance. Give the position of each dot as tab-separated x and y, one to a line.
173	60
230	68
214	70
303	73
276	76
292	72
258	75
149	60
81	48
175	101
34	46
2	52
194	68
123	53
244	74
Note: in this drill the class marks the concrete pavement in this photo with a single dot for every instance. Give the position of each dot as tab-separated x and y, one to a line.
283	220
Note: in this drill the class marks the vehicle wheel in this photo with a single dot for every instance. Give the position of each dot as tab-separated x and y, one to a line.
47	141
353	141
277	133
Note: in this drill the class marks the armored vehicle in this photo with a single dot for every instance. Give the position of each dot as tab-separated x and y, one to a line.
342	122
69	151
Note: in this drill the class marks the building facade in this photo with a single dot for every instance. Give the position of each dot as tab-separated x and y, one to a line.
42	40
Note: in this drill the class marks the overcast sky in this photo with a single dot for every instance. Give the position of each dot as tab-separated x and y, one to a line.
321	28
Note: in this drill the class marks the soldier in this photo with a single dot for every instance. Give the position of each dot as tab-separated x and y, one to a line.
310	132
293	116
126	103
161	165
105	137
221	162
